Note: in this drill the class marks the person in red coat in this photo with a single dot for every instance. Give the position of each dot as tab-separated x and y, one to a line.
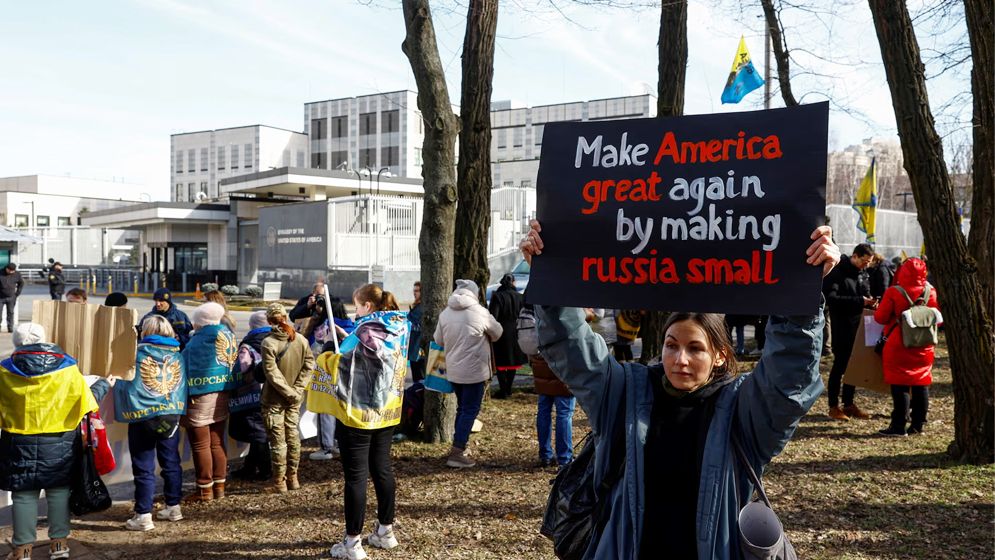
907	370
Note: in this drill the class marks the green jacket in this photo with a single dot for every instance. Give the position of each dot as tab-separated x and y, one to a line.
287	380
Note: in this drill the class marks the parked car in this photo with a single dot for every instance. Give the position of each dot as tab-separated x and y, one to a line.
520	272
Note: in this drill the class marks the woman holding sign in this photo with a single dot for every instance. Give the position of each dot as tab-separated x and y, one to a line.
673	491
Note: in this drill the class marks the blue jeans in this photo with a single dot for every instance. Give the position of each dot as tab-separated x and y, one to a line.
326	432
145	448
564	428
468	399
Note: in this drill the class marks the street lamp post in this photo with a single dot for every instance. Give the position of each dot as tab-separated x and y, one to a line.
385	171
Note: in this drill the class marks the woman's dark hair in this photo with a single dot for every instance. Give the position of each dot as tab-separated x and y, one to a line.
718	338
508	281
376	296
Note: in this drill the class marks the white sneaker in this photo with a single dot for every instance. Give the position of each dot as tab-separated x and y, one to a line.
140	522
355	552
386	541
322	455
169	513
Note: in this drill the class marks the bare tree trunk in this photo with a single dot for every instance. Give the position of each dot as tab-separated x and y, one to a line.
780	51
435	245
968	325
673	51
473	214
981	32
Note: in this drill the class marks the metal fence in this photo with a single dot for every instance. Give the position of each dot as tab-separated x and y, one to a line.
895	231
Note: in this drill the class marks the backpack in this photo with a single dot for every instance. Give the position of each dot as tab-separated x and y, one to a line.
919	322
528	334
412	409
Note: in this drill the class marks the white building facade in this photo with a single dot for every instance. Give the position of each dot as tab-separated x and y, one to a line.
200	160
371	133
516	133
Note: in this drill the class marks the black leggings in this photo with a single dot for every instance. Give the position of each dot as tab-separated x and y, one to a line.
366	453
901	402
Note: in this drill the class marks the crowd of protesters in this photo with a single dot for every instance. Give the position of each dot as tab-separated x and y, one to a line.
192	373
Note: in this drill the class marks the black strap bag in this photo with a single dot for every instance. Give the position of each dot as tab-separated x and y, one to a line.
88	494
761	535
577	509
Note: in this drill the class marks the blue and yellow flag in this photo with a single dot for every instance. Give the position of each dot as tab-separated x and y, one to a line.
743	77
44	403
866	202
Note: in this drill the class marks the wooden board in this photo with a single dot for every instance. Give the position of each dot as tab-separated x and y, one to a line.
101	339
864	368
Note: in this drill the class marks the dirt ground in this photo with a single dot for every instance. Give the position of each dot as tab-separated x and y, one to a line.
840	490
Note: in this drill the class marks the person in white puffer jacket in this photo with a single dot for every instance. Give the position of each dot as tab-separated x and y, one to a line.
466	330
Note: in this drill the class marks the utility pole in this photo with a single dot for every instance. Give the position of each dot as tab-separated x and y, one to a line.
905	200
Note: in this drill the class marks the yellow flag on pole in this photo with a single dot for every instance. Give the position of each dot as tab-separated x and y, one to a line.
866	202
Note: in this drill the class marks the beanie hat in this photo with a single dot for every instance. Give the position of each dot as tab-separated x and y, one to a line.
207	314
28	333
162	294
257	320
468	285
274	310
116	299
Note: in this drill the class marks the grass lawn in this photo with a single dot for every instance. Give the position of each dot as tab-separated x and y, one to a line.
841	491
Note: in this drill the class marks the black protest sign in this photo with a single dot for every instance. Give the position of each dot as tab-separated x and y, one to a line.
708	213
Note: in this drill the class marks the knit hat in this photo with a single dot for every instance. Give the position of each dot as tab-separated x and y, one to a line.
162	294
116	299
468	285
207	314
274	310
28	333
257	320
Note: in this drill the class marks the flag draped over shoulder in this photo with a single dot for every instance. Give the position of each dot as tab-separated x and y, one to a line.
52	402
866	202
363	385
743	78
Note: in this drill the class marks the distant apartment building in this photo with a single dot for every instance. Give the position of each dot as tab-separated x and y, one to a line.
516	133
200	160
847	167
369	133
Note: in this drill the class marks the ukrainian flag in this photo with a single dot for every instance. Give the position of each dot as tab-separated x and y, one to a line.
866	202
743	78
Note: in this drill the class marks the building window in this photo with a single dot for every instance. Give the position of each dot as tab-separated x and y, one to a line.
234	158
179	161
319	129
191	259
319	160
537	134
390	155
179	192
421	125
191	161
338	158
518	136
300	158
367	124
247	162
526	183
20	220
222	164
191	191
391	121
41	221
203	159
368	157
340	127
203	188
65	221
418	157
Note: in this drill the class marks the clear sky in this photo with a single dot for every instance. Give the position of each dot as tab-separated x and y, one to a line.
94	89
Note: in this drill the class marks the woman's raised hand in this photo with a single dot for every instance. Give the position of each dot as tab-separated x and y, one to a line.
823	251
531	244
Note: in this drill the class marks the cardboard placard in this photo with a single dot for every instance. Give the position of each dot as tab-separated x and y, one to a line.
864	368
706	213
101	339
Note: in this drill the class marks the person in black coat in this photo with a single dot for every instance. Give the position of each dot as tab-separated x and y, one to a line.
847	294
506	304
880	274
305	306
246	420
11	285
56	282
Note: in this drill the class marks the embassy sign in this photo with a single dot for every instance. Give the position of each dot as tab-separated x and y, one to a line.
294	236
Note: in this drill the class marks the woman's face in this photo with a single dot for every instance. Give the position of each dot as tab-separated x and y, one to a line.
688	358
362	308
417	293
